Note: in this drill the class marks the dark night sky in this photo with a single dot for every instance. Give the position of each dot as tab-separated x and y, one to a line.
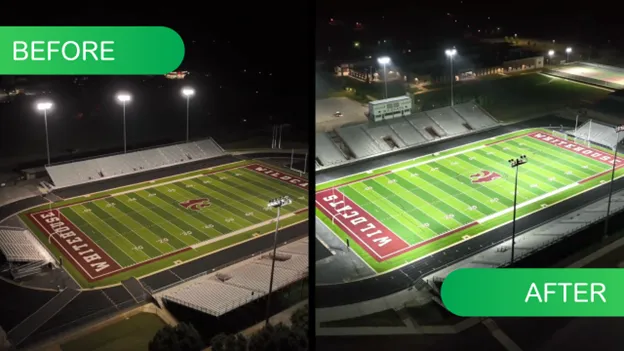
249	62
419	21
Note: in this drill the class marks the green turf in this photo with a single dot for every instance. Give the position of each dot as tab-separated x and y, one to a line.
133	333
432	195
146	222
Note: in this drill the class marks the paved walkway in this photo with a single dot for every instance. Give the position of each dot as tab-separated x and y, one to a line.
28	326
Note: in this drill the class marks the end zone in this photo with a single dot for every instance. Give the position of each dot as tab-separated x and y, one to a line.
379	241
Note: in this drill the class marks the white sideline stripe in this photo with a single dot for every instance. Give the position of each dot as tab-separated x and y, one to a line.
526	203
242	230
438	158
486	141
173	181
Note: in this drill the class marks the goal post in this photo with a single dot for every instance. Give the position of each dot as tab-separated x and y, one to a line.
560	135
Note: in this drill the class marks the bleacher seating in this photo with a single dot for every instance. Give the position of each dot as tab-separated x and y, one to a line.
474	115
598	133
406	131
327	151
226	290
367	140
80	172
448	120
360	142
18	245
421	121
379	131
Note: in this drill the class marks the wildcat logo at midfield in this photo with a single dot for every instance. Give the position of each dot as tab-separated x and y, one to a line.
484	177
195	204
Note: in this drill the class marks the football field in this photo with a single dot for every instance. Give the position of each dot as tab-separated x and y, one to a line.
403	212
103	235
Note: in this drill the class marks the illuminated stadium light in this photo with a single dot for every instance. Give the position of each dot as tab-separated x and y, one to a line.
568	50
515	163
275	203
551	53
43	106
188	92
384	60
123	97
451	53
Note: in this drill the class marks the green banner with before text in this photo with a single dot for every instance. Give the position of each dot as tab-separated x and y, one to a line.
89	50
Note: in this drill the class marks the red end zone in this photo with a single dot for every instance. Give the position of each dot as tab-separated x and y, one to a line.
77	246
284	177
579	149
380	242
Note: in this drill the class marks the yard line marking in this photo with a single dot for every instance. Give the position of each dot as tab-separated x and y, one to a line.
114	233
405	161
118	219
528	202
158	222
438	158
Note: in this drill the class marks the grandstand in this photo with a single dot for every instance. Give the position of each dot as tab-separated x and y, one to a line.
451	122
597	133
219	293
376	138
74	173
328	153
22	251
536	238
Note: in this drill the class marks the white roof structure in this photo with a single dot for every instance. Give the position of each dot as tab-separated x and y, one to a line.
221	292
79	172
19	245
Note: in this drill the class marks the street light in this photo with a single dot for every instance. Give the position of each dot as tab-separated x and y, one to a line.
45	106
124	98
451	53
618	129
188	92
568	51
275	203
515	163
384	60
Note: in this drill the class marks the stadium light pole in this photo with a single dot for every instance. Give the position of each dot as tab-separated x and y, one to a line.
278	203
451	53
188	92
618	129
124	99
515	163
45	106
568	52
551	53
384	60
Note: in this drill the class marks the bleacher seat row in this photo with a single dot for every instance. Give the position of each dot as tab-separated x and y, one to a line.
80	172
217	294
370	139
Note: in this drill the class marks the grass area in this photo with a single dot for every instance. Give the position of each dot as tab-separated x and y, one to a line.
514	97
435	201
133	333
387	318
150	226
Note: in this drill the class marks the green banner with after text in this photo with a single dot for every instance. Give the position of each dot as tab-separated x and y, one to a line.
539	292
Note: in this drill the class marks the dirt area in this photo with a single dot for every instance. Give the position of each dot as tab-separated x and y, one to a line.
352	113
